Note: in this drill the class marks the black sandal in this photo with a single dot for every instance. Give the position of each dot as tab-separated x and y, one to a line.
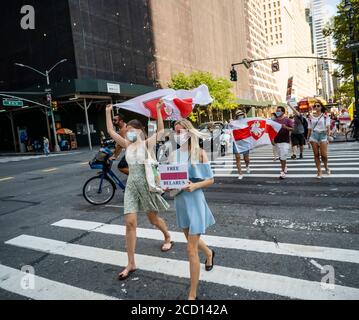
209	268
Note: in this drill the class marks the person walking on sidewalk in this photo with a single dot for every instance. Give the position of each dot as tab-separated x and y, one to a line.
282	139
46	146
192	211
319	131
137	193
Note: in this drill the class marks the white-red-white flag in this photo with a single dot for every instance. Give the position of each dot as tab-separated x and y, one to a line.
250	133
179	104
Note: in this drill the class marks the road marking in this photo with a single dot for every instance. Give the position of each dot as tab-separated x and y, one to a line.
265	160
6	179
316	264
84	163
290	169
235	175
50	170
249	280
44	289
324	253
276	164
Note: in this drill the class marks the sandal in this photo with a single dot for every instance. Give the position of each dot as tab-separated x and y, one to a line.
170	248
121	277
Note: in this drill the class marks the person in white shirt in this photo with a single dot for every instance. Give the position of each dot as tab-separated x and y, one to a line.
319	131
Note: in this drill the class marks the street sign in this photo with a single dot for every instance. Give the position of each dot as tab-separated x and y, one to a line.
12	103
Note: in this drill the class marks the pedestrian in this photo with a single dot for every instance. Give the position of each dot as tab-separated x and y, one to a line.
319	131
282	139
225	141
192	211
137	194
240	115
274	147
298	137
121	128
46	146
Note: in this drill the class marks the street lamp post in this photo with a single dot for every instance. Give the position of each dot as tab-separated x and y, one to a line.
348	7
47	76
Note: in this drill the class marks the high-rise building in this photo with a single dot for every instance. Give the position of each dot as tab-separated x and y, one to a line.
262	81
288	34
323	47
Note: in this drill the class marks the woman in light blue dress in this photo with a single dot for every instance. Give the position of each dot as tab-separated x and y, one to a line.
192	211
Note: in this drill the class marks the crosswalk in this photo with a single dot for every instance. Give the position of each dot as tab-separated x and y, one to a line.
293	287
343	161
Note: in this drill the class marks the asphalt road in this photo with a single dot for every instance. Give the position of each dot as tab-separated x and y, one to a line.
273	239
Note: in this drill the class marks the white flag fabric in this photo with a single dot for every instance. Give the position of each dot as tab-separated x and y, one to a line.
179	104
250	133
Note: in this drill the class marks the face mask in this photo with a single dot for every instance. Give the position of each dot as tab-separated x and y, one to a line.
181	139
279	114
132	136
240	117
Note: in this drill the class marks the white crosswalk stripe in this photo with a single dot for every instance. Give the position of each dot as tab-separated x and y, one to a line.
343	161
39	288
285	286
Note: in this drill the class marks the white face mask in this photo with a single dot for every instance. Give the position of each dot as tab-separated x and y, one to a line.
181	139
132	136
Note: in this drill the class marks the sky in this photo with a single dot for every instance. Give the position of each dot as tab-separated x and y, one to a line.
332	6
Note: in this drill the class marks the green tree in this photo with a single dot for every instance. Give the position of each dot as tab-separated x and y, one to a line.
219	88
339	30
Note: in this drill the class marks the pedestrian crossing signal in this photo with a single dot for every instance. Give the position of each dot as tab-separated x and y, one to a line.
234	76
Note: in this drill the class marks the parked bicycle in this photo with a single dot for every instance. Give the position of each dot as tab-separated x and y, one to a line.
352	135
100	190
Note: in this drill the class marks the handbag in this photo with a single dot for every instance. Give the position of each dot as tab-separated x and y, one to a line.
152	174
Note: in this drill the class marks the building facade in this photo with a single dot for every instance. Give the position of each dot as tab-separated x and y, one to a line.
288	34
262	81
323	47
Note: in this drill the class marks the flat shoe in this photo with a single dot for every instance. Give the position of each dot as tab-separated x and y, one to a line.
209	268
122	278
170	248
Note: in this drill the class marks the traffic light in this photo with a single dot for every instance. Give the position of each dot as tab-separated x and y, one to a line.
54	105
234	76
275	66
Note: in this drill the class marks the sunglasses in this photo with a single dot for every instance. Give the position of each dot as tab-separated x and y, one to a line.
317	106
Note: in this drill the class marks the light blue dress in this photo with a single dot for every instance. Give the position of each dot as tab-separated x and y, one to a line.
192	210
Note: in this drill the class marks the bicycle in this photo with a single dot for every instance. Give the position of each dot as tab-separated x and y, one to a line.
100	190
352	136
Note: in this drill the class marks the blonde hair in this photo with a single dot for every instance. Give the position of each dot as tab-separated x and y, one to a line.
195	135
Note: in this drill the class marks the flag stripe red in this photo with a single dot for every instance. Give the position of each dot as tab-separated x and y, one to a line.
241	134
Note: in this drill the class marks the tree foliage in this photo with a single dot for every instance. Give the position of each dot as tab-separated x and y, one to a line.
339	30
219	88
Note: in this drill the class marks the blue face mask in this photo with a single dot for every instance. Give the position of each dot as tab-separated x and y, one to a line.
279	114
132	136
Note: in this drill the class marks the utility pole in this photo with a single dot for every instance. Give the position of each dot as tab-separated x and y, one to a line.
49	97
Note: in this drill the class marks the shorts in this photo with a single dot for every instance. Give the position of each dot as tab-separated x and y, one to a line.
123	163
319	137
236	151
298	139
283	150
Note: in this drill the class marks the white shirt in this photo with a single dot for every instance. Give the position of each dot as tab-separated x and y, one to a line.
319	124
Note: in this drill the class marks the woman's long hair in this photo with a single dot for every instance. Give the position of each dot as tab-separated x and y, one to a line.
323	108
195	135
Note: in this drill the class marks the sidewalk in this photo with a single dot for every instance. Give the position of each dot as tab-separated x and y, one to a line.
29	154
